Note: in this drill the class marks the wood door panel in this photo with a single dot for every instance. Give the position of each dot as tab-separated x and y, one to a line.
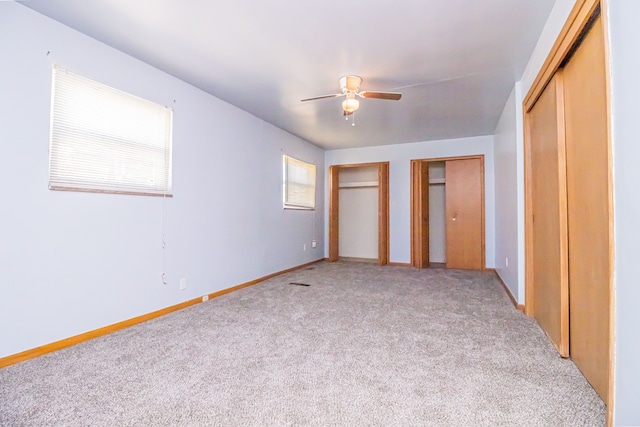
588	192
334	236
464	193
549	206
420	213
383	214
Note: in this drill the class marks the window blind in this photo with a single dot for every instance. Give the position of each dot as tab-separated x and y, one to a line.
103	139
299	184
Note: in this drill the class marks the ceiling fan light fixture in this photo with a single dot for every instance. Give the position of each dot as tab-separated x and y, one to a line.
350	104
350	86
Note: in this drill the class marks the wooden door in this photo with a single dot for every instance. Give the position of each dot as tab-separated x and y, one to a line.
464	205
550	305
334	213
589	205
420	213
383	213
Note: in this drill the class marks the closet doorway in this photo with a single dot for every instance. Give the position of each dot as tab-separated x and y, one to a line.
359	212
447	213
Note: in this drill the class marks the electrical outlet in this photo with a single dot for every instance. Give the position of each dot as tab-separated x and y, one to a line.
183	284
304	247
205	298
506	262
314	244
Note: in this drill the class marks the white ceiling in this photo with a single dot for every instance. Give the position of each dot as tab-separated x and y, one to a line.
455	61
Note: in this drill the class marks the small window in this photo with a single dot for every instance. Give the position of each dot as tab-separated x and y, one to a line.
299	184
106	140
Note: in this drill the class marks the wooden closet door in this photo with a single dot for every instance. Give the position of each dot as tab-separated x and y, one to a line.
420	213
464	204
383	213
334	213
549	205
588	191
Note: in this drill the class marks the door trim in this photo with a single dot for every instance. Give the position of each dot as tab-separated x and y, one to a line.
415	206
383	209
579	19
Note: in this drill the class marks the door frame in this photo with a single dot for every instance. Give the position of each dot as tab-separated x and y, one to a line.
383	209
579	18
418	208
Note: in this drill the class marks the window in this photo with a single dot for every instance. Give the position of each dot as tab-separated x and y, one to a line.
106	140
299	184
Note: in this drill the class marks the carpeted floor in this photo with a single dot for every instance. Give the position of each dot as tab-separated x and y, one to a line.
362	346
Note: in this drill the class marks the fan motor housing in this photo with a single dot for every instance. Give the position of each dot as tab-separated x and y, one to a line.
350	83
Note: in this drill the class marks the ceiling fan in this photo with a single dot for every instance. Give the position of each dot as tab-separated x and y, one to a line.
350	86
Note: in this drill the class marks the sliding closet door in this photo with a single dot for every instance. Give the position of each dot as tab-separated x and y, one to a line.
549	203
464	193
588	191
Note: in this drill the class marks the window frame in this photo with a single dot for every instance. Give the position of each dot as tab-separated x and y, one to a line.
286	183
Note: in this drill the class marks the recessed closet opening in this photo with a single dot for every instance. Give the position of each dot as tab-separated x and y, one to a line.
359	212
437	214
447	213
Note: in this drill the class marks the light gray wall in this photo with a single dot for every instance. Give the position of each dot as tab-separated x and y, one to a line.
624	38
553	26
437	214
358	214
509	171
509	160
358	222
74	262
399	157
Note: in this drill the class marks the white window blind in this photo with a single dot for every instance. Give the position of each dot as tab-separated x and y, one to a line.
299	184
106	140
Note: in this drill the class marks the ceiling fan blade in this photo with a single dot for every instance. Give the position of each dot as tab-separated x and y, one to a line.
347	113
381	95
322	97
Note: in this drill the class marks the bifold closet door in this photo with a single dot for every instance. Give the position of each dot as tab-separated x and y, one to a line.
464	194
420	211
589	204
334	212
549	204
383	213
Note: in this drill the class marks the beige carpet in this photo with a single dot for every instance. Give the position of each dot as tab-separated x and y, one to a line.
361	346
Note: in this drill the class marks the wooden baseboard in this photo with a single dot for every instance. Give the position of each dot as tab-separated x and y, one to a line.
366	260
77	339
520	307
